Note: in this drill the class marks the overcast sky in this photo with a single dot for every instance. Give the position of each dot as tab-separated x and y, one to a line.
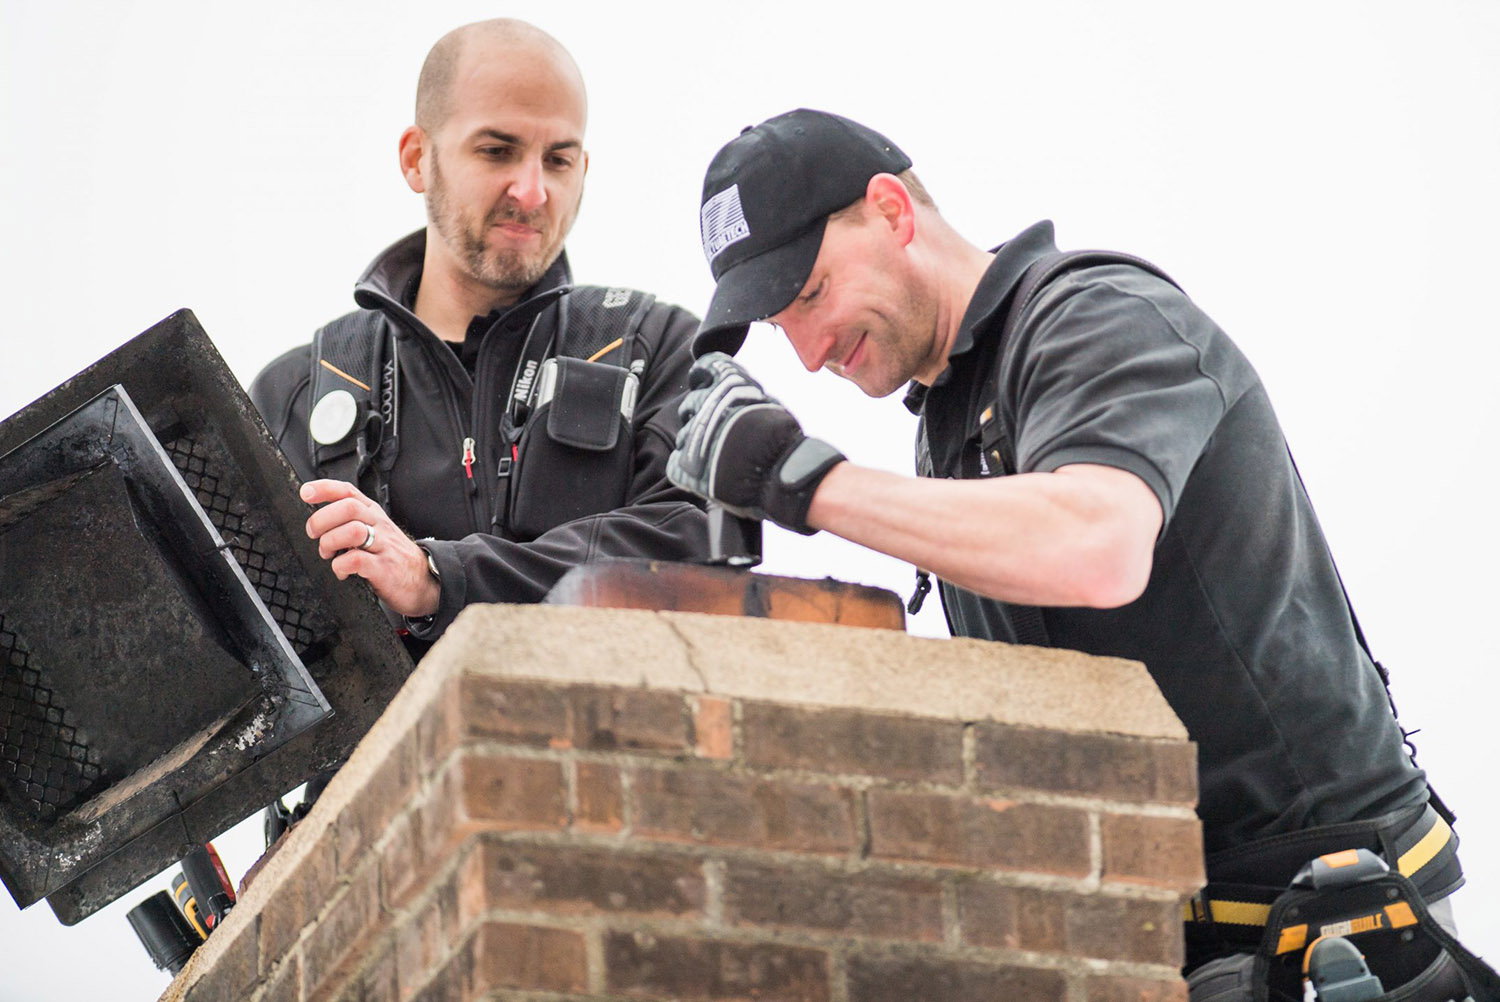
1320	177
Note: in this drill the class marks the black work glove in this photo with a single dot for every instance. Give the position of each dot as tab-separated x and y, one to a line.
738	446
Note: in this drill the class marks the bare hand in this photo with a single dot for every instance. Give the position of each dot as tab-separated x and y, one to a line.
357	537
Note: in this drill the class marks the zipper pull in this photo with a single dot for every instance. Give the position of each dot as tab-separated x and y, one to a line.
468	458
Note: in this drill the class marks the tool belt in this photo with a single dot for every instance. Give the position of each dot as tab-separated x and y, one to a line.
1354	895
1229	915
1367	881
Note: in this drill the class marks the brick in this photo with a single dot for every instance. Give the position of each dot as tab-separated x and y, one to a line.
1095	765
713	727
377	983
506	793
401	862
687	968
468	888
521	713
936	828
455	980
601	798
332	947
1121	989
901	979
439	728
419	946
531	957
638	720
847	741
299	898
424	940
388	789
1014	918
859	904
284	984
593	718
1164	852
1109	928
705	806
1076	924
439	822
235	971
424	842
570	881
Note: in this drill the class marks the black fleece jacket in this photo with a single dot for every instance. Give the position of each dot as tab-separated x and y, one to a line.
432	494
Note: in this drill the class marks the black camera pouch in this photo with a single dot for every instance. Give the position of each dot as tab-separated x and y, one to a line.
573	458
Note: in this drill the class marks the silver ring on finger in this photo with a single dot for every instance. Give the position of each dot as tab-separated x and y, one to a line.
369	537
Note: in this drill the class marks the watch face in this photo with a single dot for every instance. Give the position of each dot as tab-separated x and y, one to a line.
332	417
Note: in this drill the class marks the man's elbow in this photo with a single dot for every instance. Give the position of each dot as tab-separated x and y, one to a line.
1114	540
1114	575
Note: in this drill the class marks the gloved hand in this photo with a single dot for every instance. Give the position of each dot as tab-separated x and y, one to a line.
738	446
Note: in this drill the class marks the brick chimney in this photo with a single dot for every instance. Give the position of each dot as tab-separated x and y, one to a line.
589	805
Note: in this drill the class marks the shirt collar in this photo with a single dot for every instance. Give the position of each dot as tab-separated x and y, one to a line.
390	282
1012	258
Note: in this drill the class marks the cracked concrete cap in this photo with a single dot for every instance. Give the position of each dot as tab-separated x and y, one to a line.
809	663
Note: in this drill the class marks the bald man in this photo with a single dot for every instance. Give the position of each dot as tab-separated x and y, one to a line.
478	427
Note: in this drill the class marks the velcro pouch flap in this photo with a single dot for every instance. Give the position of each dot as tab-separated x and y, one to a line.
586	404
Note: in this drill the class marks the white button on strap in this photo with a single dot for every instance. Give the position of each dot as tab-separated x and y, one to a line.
333	417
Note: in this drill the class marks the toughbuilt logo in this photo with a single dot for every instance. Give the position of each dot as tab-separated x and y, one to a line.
1355	926
722	221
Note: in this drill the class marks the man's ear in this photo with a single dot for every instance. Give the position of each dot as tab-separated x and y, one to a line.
889	200
410	149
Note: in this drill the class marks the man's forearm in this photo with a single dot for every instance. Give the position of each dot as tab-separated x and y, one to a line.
1081	536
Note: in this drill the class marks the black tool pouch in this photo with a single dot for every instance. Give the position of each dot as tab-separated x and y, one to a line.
1354	895
573	458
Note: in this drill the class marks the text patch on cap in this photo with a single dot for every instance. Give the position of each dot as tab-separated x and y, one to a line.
333	417
722	221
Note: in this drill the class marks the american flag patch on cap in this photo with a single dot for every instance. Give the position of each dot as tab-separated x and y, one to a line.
722	222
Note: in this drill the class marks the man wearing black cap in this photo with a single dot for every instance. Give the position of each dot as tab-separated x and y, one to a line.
1102	472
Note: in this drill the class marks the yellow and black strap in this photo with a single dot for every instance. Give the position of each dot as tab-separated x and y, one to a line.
1428	845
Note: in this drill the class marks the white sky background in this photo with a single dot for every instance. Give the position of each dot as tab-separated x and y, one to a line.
1320	177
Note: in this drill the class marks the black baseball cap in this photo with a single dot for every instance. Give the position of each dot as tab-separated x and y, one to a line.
766	198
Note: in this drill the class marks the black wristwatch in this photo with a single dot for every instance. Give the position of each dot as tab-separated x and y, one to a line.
417	624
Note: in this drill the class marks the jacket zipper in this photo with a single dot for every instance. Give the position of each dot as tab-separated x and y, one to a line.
436	355
467	459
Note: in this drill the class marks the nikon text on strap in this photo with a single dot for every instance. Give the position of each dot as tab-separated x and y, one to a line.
568	436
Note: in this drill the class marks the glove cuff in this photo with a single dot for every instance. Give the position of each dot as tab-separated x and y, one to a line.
789	490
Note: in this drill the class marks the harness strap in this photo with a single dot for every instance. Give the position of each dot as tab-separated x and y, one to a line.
355	356
1027	621
592	323
579	330
1385	676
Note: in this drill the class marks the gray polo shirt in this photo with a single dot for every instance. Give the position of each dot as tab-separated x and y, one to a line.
1243	623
